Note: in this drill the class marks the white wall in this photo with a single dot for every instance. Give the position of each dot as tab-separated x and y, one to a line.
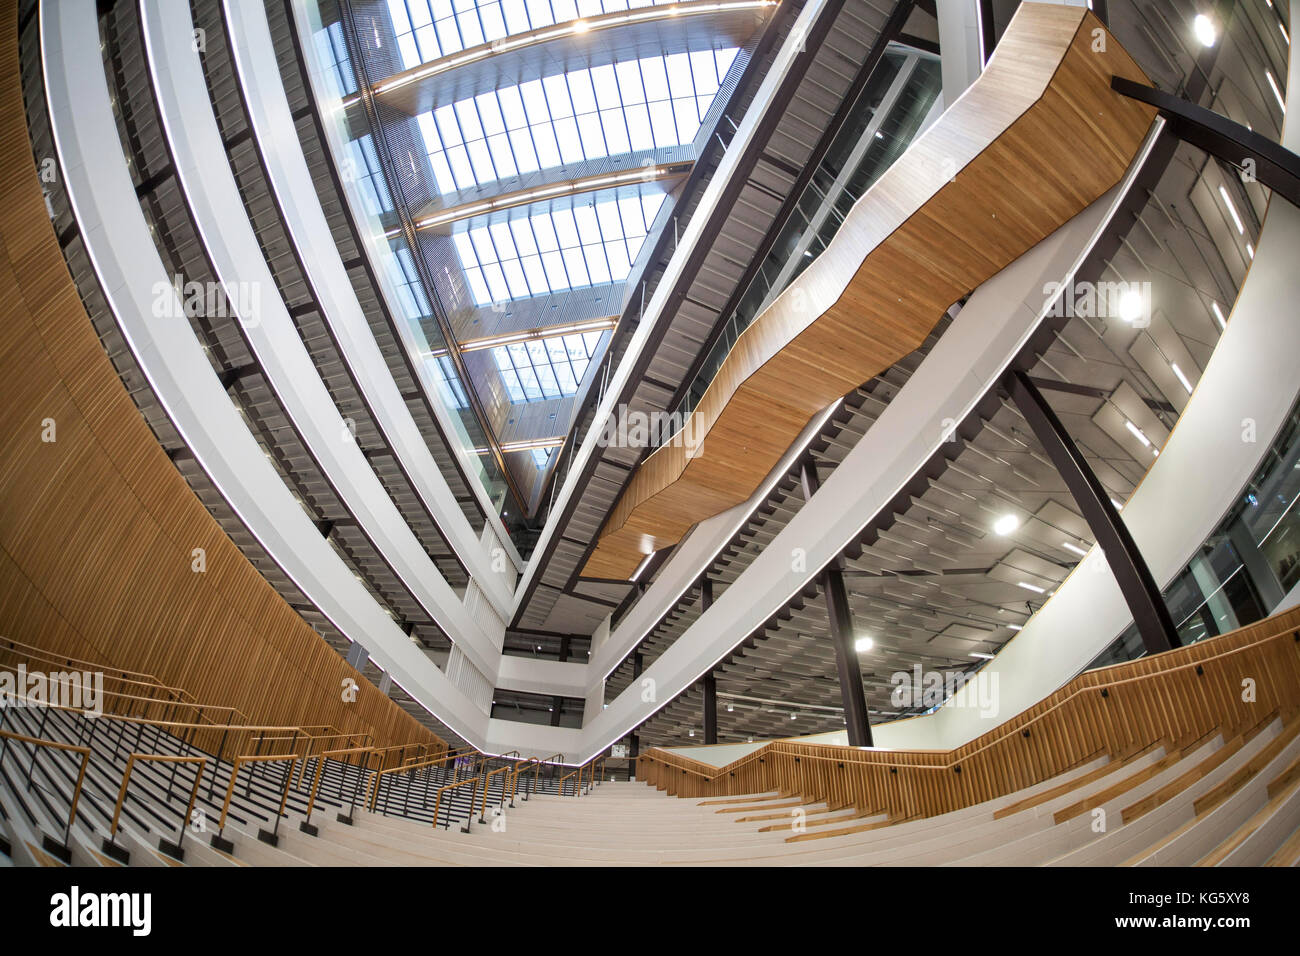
1253	376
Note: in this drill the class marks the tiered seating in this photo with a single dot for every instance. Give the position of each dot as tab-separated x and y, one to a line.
260	795
1206	776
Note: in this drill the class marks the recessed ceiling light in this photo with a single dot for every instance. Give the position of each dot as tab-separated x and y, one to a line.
1232	211
981	655
1203	27
1137	433
1272	85
863	644
1181	377
1006	524
1015	627
1130	305
1075	548
1218	315
1031	587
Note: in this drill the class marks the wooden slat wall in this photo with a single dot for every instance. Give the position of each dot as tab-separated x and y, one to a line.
1175	698
97	528
1035	139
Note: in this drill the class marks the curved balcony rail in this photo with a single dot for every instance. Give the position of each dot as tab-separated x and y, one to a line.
1033	141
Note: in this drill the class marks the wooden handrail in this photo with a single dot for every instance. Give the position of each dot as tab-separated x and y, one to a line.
487	785
1170	696
471	781
259	758
373	798
69	748
90	665
158	758
320	766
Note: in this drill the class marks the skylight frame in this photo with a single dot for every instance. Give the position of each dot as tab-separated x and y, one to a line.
637	105
424	34
577	242
547	367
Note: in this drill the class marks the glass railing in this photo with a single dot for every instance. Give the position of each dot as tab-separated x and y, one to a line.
397	276
886	117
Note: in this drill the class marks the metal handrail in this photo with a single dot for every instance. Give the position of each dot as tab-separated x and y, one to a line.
473	782
234	778
157	758
81	775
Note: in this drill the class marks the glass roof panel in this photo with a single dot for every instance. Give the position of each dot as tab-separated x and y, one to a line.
429	29
542	368
653	102
544	250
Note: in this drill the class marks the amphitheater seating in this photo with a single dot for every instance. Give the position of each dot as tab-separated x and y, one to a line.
1207	777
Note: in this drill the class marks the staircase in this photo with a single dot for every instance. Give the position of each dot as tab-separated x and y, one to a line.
325	799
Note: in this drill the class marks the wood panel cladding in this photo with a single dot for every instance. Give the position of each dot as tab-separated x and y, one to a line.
98	529
1036	139
1173	699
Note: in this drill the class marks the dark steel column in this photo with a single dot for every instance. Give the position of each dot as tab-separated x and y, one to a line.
710	708
710	682
842	637
1134	578
1273	165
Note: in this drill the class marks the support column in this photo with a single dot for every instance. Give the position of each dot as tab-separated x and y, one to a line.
842	638
710	682
1144	600
357	655
710	708
1273	165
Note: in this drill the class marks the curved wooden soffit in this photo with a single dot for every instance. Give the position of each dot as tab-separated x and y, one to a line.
1036	139
98	528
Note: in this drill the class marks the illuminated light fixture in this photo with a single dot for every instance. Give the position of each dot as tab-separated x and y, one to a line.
527	197
1137	433
1130	305
1250	250
1181	377
1031	587
981	655
526	445
1015	627
1218	315
1006	524
794	716
640	568
1116	504
1272	85
730	708
691	734
493	341
1232	211
1203	27
863	644
1075	548
1285	36
505	45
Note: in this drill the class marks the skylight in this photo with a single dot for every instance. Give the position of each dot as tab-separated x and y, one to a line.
429	29
545	368
630	106
563	247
